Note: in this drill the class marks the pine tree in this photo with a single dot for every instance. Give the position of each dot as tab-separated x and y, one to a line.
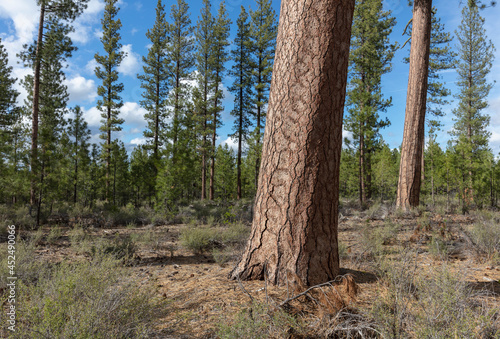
111	101
370	58
263	28
242	88
441	58
469	132
52	102
120	175
217	61
180	54
80	134
142	175
66	10
154	81
10	117
409	182
8	95
204	37
225	176
294	229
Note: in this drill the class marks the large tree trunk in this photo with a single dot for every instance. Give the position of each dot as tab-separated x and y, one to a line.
413	137
296	209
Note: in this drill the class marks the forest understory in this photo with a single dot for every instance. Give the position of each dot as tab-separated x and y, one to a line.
422	274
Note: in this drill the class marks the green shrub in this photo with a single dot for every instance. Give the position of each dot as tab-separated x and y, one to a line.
486	235
438	248
28	265
235	233
120	247
54	234
258	321
198	239
86	300
447	309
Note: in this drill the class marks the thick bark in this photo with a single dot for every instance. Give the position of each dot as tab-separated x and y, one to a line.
35	108
413	138
296	209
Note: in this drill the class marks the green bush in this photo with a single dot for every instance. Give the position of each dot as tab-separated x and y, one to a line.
54	234
258	321
447	309
197	239
486	235
86	300
438	248
120	247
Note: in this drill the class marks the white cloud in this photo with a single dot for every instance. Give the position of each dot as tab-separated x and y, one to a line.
138	141
133	114
98	33
91	66
130	64
81	89
92	116
231	143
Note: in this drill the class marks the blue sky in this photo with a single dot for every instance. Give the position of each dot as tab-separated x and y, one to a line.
18	23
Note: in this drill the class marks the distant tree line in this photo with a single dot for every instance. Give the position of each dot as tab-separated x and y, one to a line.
51	160
47	157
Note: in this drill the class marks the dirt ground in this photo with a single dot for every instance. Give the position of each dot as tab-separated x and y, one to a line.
200	294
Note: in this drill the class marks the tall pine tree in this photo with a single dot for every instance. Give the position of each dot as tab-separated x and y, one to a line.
264	28
204	38
469	132
80	135
180	54
53	97
154	81
242	88
66	10
218	59
370	58
111	101
10	117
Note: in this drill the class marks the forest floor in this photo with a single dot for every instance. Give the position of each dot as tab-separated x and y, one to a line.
378	252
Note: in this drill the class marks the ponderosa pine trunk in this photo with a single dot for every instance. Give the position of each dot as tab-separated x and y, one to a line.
296	209
410	169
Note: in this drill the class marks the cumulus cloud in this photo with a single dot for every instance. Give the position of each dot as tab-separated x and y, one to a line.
83	24
133	114
231	143
138	141
130	64
92	116
81	89
91	66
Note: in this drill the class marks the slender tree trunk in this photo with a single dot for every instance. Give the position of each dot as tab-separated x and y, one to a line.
432	178
368	171
204	162
108	148
40	193
35	108
205	127
157	113
214	136
296	210
240	138
413	137
362	188
75	188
